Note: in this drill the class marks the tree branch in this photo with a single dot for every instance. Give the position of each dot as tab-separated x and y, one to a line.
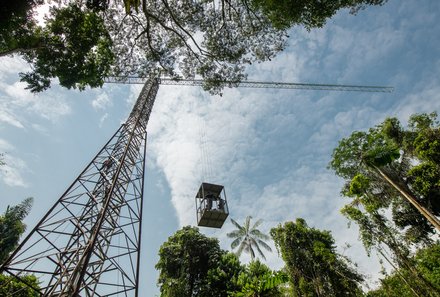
203	52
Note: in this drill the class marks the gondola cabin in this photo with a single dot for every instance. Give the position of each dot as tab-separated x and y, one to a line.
211	206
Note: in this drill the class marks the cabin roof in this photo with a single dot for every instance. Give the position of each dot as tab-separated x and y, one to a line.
211	188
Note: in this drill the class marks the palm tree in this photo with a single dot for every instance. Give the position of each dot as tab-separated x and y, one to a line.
249	238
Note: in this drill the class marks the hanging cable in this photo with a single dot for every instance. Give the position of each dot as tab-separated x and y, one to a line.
205	157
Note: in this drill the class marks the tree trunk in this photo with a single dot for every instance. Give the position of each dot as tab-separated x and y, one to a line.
422	284
398	272
411	199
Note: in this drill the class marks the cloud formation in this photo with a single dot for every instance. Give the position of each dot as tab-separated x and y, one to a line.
270	148
10	172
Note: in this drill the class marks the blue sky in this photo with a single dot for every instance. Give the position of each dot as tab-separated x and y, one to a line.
268	147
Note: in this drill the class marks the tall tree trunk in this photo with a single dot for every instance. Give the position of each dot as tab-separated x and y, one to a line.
411	199
398	272
396	269
423	286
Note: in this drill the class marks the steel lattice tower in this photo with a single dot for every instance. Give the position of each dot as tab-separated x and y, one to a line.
88	244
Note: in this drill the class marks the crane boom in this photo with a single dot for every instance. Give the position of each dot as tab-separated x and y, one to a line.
254	84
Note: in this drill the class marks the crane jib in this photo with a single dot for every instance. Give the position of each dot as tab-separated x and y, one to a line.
256	84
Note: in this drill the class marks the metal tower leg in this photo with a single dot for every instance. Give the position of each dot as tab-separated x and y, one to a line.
88	244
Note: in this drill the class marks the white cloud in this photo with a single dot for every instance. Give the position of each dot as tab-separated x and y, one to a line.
40	129
8	118
49	105
10	66
425	100
102	119
5	146
102	101
270	148
176	127
11	172
51	108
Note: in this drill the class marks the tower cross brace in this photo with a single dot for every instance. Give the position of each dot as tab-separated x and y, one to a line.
88	243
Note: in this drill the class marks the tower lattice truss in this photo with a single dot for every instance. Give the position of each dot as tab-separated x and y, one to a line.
88	243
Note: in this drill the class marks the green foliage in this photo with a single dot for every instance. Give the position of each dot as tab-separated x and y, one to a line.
248	238
257	280
427	145
385	169
314	267
358	185
310	13
74	47
17	25
363	149
11	227
428	263
97	5
392	130
212	40
408	157
11	287
192	264
425	179
223	278
401	282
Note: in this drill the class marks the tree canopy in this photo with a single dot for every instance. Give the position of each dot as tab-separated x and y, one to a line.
213	40
11	287
12	227
313	265
389	167
16	24
74	47
401	281
258	280
179	38
393	170
192	264
310	13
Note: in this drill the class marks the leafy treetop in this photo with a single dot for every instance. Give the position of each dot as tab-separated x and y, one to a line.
213	40
310	13
11	227
390	166
313	266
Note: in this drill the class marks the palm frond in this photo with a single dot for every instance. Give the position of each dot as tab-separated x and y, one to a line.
257	233
247	224
235	233
251	251
242	246
256	224
255	244
236	242
265	245
237	224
